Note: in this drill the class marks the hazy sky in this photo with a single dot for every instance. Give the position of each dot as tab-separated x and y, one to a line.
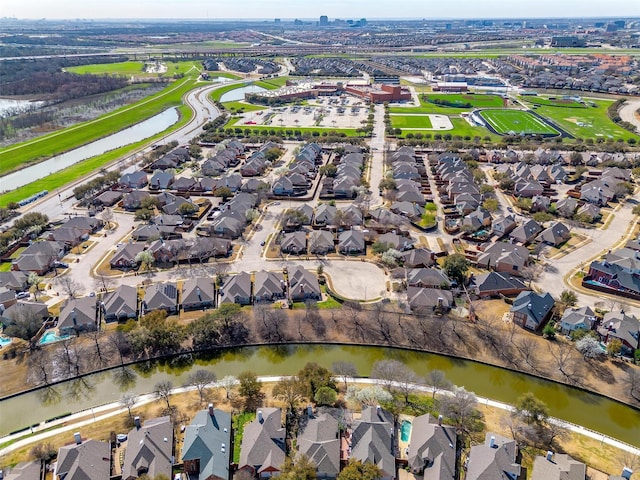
312	9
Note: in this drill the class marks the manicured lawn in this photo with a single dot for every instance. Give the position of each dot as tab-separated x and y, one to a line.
63	177
411	121
247	107
427	106
5	267
273	83
553	102
120	68
591	122
239	422
518	121
69	138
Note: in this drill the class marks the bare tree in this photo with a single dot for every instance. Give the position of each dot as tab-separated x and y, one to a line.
201	379
632	383
162	390
124	377
101	350
121	345
128	400
103	282
344	370
461	409
565	361
69	286
107	217
437	380
39	367
228	383
528	347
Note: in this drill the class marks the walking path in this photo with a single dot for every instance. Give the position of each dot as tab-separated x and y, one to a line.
78	420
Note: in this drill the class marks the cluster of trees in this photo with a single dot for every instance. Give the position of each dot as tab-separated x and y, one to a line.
95	185
32	222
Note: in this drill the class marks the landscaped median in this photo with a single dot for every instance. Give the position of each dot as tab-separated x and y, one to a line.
41	148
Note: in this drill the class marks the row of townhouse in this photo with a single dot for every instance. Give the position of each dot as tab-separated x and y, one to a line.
301	172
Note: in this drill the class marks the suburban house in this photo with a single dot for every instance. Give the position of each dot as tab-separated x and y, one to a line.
206	451
526	232
69	236
503	257
294	243
149	449
576	318
422	299
566	207
133	180
531	310
282	186
319	440
197	293
351	242
268	286
395	241
121	304
125	256
83	459
558	466
321	242
503	225
626	328
372	440
79	314
494	459
237	289
24	471
589	211
21	310
14	280
555	235
262	452
303	285
160	296
161	180
615	277
495	283
418	258
432	449
39	257
108	198
324	215
427	278
133	200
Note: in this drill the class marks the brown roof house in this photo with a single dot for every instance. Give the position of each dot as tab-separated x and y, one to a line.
531	310
432	449
558	467
262	452
83	460
495	459
149	449
319	440
79	314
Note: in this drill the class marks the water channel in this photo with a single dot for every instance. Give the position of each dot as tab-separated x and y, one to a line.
133	134
589	410
238	93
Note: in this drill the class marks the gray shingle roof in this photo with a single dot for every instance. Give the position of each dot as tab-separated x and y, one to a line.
208	439
149	449
88	461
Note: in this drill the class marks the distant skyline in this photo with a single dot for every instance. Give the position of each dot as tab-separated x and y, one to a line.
289	9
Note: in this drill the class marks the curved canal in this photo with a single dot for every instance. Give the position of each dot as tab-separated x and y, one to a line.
589	410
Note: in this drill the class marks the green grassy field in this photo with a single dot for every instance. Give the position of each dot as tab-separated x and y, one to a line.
553	102
590	122
518	121
121	68
273	83
476	101
411	121
81	169
247	107
64	140
128	69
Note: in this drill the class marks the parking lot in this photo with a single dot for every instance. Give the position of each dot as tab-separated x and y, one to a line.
325	112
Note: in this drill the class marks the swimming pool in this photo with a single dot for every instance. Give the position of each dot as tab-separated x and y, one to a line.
405	430
4	341
50	337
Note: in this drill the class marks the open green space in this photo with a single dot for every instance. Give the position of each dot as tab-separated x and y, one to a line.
5	267
461	130
119	68
136	68
553	101
462	99
517	121
411	121
272	83
240	105
86	167
67	139
591	122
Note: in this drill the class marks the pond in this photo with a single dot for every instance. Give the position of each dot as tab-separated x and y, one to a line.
238	93
592	411
9	106
136	133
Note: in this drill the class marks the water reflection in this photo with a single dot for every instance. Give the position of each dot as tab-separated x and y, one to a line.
124	377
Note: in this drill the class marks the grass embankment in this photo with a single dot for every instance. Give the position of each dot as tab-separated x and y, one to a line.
84	168
411	121
33	151
590	122
136	69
